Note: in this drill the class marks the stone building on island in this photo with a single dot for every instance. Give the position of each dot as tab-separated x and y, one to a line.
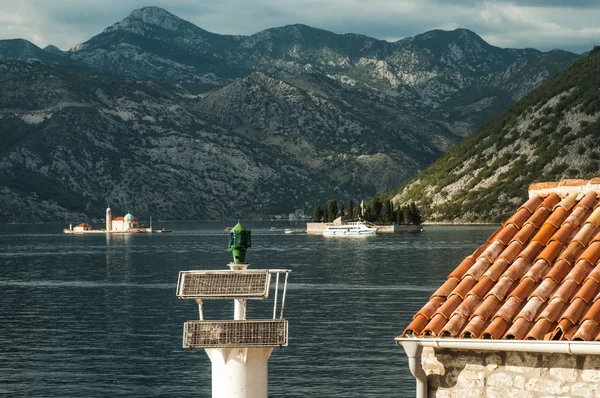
120	224
520	317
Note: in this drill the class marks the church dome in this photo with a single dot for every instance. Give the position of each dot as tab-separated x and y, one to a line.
128	217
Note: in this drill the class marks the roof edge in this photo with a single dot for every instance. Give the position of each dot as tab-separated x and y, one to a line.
564	187
543	346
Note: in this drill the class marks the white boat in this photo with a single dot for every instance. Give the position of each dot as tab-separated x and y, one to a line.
294	231
357	228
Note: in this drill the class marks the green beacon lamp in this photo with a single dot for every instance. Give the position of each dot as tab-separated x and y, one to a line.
240	241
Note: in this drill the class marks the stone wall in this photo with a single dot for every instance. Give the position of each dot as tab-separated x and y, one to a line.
474	374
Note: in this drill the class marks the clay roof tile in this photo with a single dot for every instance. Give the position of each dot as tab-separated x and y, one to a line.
544	289
477	270
463	267
574	311
595	274
510	253
553	310
446	288
542	185
550	201
559	270
518	330
519	218
578	215
537	271
535	278
539	329
489	306
568	202
502	288
523	290
496	270
492	251
474	328
467	307
538	218
496	329
509	309
587	331
506	234
585	234
593	313
594	218
448	307
525	234
417	325
482	287
558	216
531	251
532	203
564	233
588	290
565	291
431	307
463	287
517	269
531	309
579	272
454	326
588	201
591	254
573	182
550	253
434	326
572	252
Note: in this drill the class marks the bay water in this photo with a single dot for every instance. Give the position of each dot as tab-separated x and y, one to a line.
97	316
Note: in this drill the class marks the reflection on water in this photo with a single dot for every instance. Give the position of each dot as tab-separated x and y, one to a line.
98	315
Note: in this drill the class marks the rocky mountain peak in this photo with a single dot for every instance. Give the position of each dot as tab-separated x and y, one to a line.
139	20
53	50
156	16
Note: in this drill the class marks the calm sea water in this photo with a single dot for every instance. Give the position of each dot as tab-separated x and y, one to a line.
97	316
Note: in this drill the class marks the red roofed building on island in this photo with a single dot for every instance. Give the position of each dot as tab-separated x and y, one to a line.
520	317
82	227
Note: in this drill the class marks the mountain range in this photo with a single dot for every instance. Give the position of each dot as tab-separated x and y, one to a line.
157	115
549	135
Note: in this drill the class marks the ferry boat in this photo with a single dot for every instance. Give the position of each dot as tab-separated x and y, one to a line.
357	228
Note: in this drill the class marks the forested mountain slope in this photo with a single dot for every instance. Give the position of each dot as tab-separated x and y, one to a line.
551	134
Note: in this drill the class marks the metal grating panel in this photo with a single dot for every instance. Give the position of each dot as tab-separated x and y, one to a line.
255	333
223	284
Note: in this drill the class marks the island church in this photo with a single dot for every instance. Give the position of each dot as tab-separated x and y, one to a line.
120	224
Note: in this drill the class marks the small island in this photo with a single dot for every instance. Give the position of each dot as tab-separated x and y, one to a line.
378	216
127	224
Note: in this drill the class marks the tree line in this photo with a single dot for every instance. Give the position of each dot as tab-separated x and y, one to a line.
377	210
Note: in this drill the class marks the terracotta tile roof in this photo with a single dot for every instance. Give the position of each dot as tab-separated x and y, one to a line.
537	277
119	219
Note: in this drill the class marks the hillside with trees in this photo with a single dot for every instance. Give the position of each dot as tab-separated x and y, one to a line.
549	135
378	211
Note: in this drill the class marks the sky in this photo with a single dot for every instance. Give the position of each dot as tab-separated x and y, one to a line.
572	25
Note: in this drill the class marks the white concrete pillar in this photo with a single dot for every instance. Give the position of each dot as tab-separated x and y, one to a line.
239	372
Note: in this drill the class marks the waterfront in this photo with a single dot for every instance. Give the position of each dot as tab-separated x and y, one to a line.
97	315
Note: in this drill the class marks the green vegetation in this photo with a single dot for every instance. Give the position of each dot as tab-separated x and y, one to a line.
377	210
452	187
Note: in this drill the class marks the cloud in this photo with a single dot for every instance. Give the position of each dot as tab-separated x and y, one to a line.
542	24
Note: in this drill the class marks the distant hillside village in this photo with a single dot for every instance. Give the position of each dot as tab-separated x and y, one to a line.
377	210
